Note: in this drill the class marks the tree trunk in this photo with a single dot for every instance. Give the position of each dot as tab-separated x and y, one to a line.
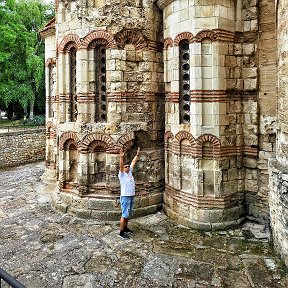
31	113
25	113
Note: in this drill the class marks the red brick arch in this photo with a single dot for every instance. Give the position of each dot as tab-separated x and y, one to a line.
168	42
126	141
167	136
184	36
211	152
49	125
93	140
70	40
99	35
50	61
208	138
181	135
206	34
131	36
50	130
68	138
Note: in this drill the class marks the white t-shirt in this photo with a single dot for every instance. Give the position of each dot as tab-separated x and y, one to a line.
127	183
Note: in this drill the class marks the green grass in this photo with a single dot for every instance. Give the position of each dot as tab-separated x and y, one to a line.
10	123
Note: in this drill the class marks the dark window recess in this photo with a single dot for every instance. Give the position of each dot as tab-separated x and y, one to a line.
50	100
100	81
184	89
73	97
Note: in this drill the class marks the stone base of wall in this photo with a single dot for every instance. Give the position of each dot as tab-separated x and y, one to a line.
203	218
104	207
205	226
49	176
278	202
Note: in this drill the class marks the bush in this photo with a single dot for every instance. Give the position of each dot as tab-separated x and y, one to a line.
38	120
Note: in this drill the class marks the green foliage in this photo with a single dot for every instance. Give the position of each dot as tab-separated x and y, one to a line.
38	120
22	79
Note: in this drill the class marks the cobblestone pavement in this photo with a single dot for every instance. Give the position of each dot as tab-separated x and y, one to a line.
44	248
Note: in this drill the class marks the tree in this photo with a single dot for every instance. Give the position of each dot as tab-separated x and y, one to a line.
22	73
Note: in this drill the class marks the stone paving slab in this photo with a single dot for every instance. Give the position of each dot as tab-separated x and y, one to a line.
45	248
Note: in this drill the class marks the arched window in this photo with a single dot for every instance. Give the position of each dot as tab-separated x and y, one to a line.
73	97
184	77
100	82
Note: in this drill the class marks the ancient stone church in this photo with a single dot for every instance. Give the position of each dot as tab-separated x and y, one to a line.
199	85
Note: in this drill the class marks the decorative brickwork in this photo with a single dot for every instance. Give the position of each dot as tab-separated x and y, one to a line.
95	38
131	36
71	137
50	130
93	140
50	61
69	41
184	36
168	42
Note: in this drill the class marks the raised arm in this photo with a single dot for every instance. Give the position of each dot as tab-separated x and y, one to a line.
121	160
135	158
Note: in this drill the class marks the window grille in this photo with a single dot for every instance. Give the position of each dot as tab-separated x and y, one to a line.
73	97
184	77
50	92
100	81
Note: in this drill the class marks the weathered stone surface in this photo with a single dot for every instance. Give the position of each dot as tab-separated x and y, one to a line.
43	248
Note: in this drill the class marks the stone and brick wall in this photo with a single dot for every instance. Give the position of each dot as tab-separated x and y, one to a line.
22	147
191	82
278	168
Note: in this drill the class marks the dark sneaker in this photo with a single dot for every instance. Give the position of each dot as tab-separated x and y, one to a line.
127	230
123	235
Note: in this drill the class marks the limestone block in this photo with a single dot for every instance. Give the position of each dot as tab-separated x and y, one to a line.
230	61
224	23
251	185
250	107
247	26
249	49
115	76
267	124
206	23
254	25
110	65
250	13
116	86
250	84
116	54
207	83
250	72
249	162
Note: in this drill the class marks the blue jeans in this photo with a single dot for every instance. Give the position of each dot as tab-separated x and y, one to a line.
127	203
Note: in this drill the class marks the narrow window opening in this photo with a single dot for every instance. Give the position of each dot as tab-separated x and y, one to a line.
73	97
100	81
184	89
50	92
